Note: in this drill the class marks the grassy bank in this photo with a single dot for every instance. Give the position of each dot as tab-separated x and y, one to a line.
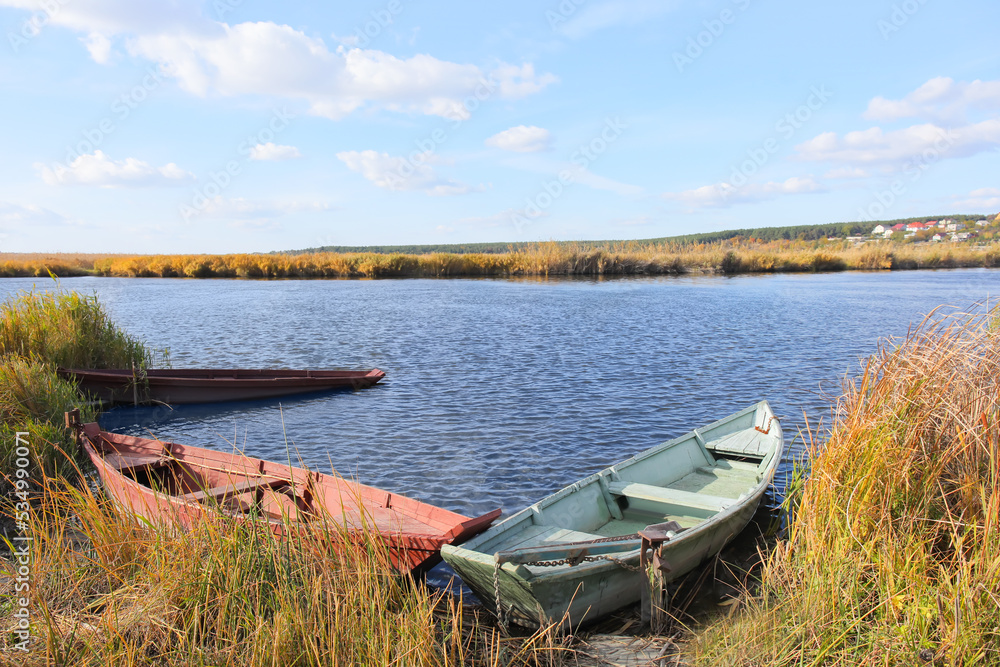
540	259
109	590
893	555
894	552
38	333
106	588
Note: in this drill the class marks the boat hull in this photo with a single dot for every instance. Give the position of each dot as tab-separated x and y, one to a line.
710	481
180	386
195	484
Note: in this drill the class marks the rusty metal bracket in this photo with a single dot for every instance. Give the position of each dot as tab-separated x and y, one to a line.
655	568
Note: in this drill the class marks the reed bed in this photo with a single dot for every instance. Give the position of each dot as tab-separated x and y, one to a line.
541	259
893	556
66	329
109	589
40	331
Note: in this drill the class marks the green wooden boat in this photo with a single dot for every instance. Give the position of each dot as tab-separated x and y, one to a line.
574	556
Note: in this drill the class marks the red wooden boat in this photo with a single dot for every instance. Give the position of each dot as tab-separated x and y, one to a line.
166	482
211	385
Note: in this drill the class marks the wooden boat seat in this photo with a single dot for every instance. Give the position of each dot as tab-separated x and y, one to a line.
663	494
127	462
223	491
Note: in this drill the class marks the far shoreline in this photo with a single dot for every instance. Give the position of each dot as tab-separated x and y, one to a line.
549	259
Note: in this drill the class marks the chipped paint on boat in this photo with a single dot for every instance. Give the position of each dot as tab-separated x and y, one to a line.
170	483
709	480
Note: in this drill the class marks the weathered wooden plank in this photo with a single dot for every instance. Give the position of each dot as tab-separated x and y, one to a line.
668	495
233	488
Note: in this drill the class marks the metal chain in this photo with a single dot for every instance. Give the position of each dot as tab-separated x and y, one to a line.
501	617
586	559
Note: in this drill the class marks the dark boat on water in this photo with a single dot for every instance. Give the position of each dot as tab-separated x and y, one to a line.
167	482
211	385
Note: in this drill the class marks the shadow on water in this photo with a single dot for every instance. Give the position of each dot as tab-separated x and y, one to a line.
141	419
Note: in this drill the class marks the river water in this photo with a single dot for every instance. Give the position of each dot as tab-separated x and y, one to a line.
501	391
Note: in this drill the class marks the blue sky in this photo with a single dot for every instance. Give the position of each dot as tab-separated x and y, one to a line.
233	126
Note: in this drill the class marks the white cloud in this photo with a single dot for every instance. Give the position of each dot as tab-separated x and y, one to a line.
118	16
846	173
264	58
898	149
724	195
941	99
400	174
99	47
522	139
981	200
943	105
592	180
271	151
246	209
517	82
594	17
13	216
100	170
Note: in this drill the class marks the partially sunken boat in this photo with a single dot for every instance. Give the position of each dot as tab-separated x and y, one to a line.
166	482
211	385
574	556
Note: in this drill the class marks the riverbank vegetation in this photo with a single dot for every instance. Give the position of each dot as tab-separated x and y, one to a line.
40	331
894	551
106	588
733	256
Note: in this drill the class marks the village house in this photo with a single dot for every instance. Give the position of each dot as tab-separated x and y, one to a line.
880	229
955	226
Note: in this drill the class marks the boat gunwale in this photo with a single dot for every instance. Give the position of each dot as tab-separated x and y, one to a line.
520	573
447	523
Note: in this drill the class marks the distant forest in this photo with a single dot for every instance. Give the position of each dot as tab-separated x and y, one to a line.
795	232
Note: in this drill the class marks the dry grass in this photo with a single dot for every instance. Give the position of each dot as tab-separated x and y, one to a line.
38	332
545	259
894	551
109	589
